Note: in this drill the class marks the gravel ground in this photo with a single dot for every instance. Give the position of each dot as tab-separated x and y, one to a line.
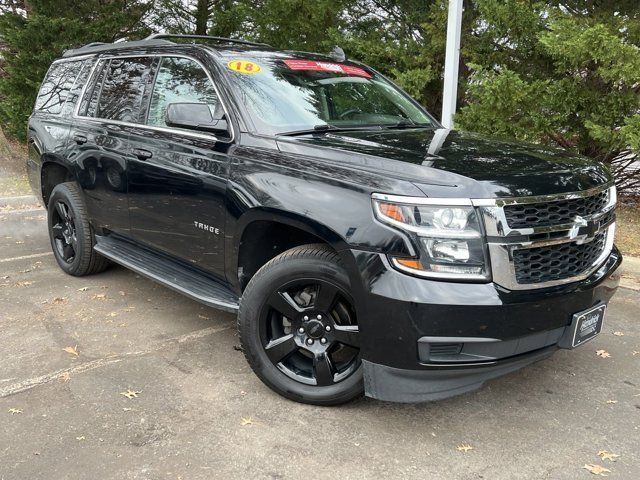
73	346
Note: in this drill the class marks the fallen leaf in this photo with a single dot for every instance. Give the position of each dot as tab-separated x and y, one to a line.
72	350
618	334
247	421
603	353
59	301
99	296
604	455
464	448
130	393
612	401
83	289
65	377
597	469
14	411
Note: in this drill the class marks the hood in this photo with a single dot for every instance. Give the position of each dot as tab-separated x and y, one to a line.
451	163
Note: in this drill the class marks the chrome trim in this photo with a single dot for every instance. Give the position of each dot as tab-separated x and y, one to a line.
422	231
451	202
204	136
503	240
501	202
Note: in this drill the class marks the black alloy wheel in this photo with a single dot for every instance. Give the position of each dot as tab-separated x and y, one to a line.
70	232
298	327
63	232
309	331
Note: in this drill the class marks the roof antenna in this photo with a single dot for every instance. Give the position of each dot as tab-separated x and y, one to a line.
338	54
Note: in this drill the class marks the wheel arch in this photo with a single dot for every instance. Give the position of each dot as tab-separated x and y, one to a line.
52	173
262	234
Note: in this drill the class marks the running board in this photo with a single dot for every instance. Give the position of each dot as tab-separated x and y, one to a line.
168	273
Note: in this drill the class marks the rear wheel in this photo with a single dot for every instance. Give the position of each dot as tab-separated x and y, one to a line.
70	232
299	330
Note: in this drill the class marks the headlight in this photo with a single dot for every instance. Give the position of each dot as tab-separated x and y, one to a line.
450	239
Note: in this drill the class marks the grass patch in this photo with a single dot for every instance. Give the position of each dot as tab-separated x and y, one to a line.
628	226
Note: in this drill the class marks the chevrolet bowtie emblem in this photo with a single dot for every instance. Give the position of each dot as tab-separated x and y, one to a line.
583	230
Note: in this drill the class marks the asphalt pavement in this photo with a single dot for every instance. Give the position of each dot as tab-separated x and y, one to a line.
71	348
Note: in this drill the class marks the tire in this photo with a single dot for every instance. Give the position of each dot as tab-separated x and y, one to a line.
71	235
310	290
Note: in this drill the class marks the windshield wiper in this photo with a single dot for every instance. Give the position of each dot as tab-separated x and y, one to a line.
325	128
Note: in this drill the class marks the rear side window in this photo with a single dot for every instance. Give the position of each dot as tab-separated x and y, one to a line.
180	80
123	89
56	86
74	93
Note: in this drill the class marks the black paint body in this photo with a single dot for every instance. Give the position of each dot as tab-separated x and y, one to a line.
321	186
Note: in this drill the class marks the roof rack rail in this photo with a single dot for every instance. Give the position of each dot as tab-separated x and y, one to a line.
92	44
155	36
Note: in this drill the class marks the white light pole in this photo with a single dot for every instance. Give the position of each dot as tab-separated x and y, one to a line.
451	62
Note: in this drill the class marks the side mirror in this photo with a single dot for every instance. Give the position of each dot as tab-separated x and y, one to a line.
195	116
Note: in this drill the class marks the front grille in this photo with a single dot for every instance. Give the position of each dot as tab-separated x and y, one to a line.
557	262
555	212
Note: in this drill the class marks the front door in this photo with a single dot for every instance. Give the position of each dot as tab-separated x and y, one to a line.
178	177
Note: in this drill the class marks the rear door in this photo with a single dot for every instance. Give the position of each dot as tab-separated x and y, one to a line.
111	105
178	177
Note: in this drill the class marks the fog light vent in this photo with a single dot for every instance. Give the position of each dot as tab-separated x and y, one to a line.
440	349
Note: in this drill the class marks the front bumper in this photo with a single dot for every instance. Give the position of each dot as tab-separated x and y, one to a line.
427	340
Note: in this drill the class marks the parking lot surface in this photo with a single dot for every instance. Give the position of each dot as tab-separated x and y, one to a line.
71	348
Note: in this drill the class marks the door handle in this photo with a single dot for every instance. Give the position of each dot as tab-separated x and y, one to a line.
142	154
80	139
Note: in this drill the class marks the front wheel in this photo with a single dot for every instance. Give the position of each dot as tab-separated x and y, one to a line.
298	327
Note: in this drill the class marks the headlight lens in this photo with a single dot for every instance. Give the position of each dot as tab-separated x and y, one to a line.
450	239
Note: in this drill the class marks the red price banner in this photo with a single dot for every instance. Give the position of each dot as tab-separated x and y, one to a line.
295	64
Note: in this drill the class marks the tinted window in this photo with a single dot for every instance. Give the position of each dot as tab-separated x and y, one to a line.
56	85
123	89
89	102
74	93
179	80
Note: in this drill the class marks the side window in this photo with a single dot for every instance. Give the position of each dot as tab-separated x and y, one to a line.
74	93
123	89
179	80
56	85
89	102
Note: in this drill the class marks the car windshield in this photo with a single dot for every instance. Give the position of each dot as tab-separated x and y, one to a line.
288	96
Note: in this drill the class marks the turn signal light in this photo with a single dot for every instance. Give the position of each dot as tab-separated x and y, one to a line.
392	211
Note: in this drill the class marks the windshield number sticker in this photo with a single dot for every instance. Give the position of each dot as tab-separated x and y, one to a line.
295	64
243	66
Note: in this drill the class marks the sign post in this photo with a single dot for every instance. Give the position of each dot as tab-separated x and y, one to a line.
451	62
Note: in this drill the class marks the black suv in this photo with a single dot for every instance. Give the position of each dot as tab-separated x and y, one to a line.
363	246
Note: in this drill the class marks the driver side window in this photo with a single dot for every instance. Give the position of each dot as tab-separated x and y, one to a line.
179	80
